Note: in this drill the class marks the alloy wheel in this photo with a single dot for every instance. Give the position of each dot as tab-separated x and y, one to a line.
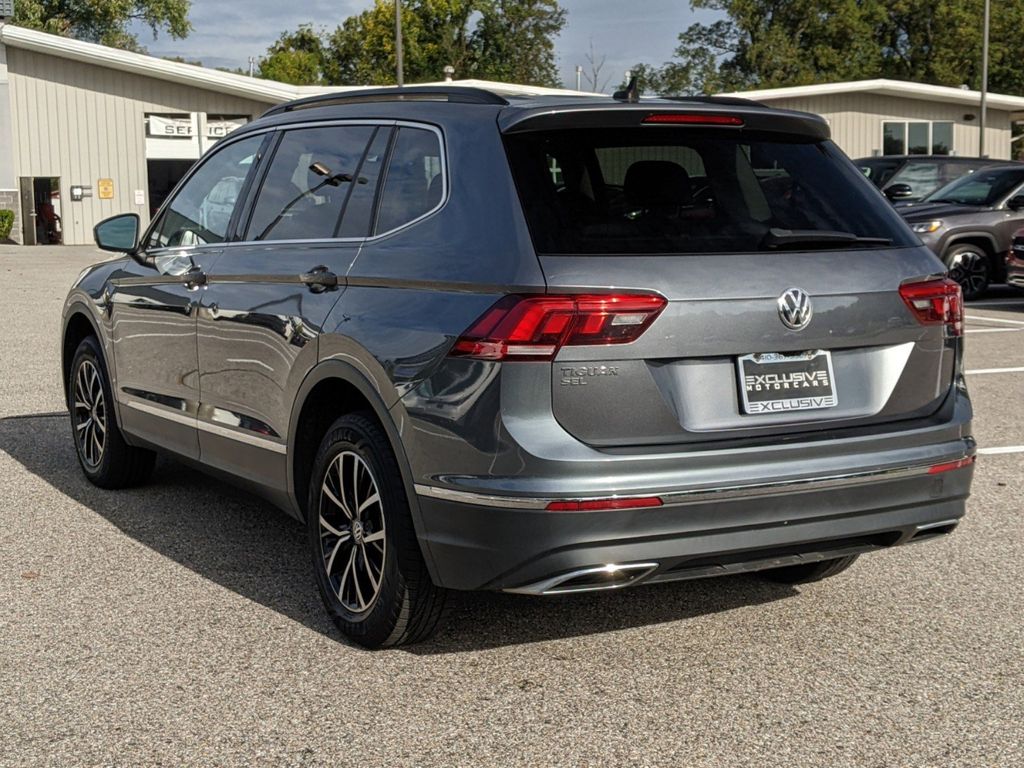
970	269
90	414
353	544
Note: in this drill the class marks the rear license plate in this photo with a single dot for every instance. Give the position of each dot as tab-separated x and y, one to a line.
774	383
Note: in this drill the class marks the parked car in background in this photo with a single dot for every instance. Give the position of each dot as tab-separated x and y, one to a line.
970	223
908	178
1015	261
538	345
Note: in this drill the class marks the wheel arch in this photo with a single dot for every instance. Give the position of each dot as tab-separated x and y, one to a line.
332	389
985	240
78	325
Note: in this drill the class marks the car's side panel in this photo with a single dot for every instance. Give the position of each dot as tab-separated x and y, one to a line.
257	336
152	329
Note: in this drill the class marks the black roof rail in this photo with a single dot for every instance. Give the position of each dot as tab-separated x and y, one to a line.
454	94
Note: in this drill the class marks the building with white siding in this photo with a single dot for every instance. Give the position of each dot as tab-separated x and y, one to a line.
88	131
891	117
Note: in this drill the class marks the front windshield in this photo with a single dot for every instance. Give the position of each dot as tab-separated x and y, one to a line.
979	188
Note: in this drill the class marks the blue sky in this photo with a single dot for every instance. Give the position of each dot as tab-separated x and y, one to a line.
226	34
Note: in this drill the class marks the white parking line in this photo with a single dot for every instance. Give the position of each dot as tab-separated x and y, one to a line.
1019	369
993	330
995	319
1002	449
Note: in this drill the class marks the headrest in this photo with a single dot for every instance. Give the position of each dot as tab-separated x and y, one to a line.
657	184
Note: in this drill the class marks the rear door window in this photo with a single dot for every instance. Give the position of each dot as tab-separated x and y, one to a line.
414	182
634	190
923	177
311	175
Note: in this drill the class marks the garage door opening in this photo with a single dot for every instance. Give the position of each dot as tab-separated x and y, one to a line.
163	177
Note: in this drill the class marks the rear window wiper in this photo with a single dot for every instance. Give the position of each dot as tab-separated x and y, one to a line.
796	238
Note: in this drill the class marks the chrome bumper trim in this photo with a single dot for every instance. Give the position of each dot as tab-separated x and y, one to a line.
695	496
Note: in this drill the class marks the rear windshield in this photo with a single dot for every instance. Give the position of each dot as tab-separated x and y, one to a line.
638	190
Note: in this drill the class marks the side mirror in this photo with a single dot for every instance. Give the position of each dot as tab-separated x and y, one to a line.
118	233
1015	203
899	191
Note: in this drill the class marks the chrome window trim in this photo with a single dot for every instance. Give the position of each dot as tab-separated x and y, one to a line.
694	496
445	184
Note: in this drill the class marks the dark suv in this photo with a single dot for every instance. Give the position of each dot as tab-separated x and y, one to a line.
540	345
970	223
908	178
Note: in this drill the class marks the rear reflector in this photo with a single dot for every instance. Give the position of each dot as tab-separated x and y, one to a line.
949	466
936	301
597	505
536	327
675	118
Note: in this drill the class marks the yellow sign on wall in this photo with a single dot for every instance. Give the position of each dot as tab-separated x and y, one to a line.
105	188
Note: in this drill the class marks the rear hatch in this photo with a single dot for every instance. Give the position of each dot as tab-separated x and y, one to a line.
780	265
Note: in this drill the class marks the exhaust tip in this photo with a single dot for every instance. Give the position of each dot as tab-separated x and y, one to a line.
592	579
933	530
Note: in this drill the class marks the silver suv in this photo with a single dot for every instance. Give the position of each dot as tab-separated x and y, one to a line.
539	345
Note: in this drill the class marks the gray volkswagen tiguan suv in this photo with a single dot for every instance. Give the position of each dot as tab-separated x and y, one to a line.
534	344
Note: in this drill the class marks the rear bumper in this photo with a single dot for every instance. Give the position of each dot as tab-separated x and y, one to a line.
488	541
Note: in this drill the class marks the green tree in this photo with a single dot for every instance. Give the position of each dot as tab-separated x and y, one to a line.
104	21
487	39
514	41
296	57
772	43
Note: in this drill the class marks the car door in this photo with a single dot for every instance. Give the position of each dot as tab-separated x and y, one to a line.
153	300
1009	221
268	295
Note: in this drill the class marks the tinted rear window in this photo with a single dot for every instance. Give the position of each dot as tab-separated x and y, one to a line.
638	190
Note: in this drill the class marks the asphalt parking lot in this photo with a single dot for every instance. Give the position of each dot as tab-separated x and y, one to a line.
178	623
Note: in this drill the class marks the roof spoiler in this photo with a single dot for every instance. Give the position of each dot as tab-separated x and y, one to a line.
752	117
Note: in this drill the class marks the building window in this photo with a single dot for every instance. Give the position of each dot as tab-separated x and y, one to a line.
917	138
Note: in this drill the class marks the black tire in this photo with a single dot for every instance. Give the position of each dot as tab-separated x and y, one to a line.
806	573
971	266
405	606
105	458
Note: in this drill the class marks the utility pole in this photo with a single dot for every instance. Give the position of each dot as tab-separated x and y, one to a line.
398	43
579	77
984	81
252	66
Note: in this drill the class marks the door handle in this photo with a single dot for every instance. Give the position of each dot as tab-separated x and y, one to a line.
319	279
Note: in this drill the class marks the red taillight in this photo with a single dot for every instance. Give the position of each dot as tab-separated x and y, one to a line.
949	466
597	505
936	301
676	118
536	327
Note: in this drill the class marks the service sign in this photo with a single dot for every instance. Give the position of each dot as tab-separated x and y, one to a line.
169	127
218	128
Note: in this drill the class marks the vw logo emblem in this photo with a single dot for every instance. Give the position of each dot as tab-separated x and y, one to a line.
795	309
